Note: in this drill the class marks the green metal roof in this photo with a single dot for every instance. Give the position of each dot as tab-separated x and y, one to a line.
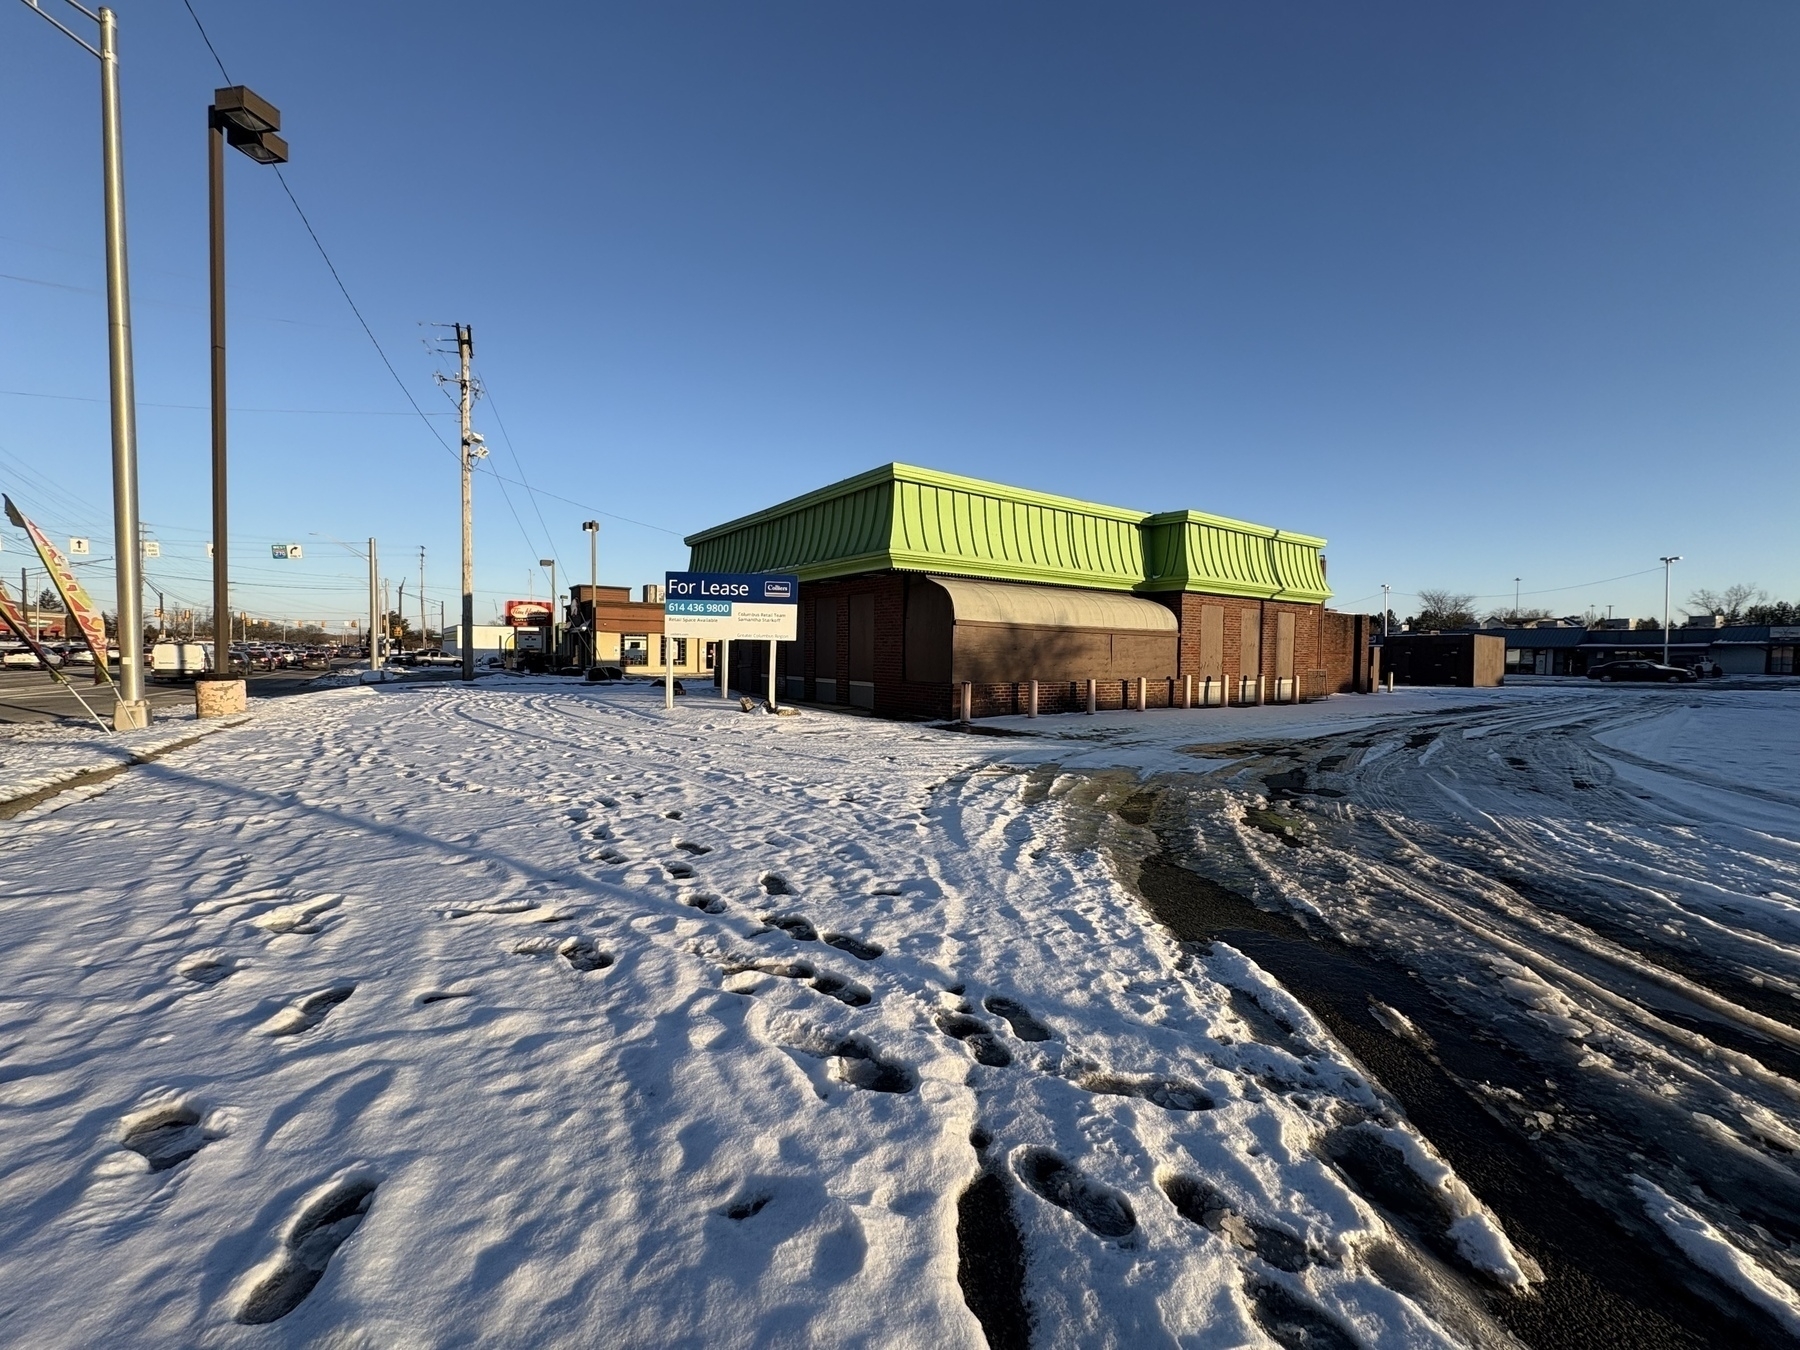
902	518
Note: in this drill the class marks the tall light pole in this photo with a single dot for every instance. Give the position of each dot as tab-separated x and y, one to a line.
551	564
1667	563
1385	607
131	709
1515	613
248	123
593	533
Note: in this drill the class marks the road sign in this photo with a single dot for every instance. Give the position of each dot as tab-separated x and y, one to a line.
290	552
78	546
152	548
732	606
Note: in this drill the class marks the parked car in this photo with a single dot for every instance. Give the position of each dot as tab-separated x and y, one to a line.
436	656
1640	670
16	657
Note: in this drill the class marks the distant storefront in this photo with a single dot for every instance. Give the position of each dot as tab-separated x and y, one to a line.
1743	649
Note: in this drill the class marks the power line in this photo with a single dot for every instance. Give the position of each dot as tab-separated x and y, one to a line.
329	265
202	407
507	437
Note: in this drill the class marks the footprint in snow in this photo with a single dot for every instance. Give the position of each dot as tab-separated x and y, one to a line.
679	871
306	1014
773	883
1206	1207
584	954
842	989
1172	1094
857	947
1019	1018
206	968
854	1061
165	1135
689	846
978	1036
1293	1323
580	954
704	902
322	1225
747	1206
1099	1207
795	926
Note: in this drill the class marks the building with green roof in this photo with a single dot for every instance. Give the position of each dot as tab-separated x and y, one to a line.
921	588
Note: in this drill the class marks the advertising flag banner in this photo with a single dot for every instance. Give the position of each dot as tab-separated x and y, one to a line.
68	586
15	620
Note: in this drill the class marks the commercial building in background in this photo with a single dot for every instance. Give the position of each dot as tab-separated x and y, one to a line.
630	634
919	589
1465	660
1560	648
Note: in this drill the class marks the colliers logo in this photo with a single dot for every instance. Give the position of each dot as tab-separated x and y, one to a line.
778	590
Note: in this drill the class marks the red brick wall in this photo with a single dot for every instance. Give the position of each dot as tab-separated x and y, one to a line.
1326	651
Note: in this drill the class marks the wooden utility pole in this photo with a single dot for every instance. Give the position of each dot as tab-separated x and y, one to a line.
422	600
465	349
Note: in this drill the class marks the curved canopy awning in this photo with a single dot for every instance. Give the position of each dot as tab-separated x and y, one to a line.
1026	606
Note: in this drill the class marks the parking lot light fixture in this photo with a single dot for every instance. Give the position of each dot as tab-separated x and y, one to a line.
240	118
1667	563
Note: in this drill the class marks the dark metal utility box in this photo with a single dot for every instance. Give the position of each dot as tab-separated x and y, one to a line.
1467	660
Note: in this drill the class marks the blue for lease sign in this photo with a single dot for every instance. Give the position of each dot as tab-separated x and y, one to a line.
728	605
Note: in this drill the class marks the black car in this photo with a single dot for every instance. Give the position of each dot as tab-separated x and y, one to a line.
1640	670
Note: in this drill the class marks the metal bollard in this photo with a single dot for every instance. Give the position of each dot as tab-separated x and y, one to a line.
1033	705
968	701
1142	704
1090	698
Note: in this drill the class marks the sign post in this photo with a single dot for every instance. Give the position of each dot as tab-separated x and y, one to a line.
721	606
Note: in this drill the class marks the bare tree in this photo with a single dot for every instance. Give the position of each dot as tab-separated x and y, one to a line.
1444	609
1729	602
1517	618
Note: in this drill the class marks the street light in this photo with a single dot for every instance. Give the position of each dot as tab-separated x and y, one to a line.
1667	563
550	656
131	710
593	533
249	123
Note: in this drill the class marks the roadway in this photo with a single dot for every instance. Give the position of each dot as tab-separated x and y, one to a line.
32	696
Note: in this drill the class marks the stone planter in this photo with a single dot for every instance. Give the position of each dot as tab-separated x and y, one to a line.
219	698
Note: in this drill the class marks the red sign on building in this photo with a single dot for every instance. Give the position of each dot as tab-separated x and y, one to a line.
527	613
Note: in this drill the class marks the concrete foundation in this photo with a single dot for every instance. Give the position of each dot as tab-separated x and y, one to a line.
219	698
130	716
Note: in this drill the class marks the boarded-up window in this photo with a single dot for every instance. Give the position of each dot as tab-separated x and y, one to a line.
862	637
1250	654
1284	644
929	621
825	631
1212	641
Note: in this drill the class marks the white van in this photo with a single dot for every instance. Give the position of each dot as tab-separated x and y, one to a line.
180	660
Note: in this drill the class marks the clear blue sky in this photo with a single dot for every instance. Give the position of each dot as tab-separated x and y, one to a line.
1476	292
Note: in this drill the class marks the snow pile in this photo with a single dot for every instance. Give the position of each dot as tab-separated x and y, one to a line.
1708	1248
540	1016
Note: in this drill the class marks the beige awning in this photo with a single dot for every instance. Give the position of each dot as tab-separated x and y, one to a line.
1025	606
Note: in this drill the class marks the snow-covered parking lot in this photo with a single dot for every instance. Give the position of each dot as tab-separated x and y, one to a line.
532	1014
